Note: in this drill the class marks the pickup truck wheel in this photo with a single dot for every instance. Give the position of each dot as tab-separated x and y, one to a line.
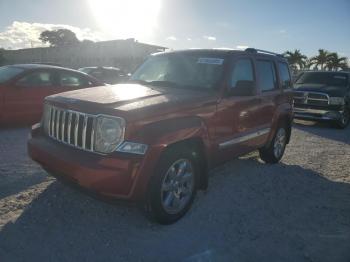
274	152
174	186
344	120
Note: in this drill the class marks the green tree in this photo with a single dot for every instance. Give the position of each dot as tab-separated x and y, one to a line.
60	37
87	42
335	62
321	59
296	59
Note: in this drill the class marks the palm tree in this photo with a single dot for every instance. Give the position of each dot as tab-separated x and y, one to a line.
321	59
335	62
296	59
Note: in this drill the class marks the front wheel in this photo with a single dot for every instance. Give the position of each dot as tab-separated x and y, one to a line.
344	120
274	152
173	188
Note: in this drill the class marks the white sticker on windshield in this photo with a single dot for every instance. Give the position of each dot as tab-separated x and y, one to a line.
210	61
340	77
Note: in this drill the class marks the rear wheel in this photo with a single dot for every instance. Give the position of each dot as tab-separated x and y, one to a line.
344	120
274	152
173	187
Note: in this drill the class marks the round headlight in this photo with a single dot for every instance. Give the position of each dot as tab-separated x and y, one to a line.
109	133
110	130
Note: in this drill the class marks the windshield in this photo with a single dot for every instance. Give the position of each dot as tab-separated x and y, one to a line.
8	72
329	79
182	70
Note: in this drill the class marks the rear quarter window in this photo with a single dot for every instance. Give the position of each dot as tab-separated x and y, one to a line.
284	75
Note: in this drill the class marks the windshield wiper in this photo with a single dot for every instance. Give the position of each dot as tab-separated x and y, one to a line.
137	81
163	83
154	83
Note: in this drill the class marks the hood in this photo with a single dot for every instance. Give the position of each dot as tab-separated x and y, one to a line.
333	91
130	98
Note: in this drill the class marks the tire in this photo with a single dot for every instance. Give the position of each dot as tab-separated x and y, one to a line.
174	186
274	151
345	119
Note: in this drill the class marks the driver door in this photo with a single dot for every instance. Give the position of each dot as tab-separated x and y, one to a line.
237	114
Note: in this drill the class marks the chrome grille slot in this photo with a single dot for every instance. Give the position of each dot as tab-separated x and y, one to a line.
70	127
311	98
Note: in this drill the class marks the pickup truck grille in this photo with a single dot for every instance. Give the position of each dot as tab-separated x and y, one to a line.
69	127
311	98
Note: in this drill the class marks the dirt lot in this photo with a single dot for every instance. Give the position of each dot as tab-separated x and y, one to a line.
298	210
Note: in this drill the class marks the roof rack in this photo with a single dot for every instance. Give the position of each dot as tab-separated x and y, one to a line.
256	51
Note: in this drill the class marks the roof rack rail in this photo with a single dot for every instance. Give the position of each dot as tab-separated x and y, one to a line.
254	50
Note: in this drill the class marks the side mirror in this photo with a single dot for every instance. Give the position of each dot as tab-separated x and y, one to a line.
243	88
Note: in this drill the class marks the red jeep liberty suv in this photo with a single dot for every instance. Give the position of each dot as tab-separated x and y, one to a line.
155	138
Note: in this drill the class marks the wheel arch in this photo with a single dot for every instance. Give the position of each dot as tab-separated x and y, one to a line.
163	135
196	145
284	117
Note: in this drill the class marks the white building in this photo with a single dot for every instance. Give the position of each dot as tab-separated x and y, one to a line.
125	54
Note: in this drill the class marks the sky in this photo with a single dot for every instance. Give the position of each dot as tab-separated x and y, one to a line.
275	25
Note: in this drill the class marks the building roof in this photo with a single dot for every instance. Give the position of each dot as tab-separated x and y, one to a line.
131	40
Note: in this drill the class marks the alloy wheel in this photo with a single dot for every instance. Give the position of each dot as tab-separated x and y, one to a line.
279	143
345	117
177	186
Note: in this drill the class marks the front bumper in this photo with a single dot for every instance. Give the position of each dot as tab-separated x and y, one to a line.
317	114
118	175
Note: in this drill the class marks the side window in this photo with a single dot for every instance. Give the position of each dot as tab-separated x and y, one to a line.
72	80
284	75
98	73
37	79
243	71
266	73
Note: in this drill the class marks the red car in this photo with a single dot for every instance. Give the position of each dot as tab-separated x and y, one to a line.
24	87
154	139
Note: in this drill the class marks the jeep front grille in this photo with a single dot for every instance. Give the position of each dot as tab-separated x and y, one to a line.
311	98
70	127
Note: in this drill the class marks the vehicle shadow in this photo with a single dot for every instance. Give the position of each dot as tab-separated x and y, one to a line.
252	211
324	129
17	170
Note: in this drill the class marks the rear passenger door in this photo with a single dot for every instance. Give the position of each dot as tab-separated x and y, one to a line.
270	93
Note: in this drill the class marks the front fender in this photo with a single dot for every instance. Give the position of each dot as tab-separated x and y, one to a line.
169	131
162	134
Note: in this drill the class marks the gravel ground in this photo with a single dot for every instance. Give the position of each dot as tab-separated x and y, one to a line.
298	210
